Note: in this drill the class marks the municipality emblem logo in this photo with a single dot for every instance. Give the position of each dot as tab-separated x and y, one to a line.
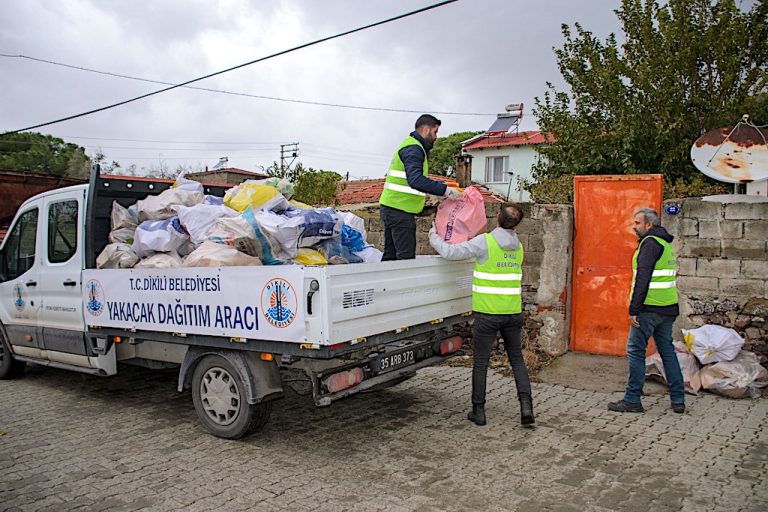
279	303
19	302
95	298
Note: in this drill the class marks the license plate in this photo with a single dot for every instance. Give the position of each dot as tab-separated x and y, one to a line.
397	360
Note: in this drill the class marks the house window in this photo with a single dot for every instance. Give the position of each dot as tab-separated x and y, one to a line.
496	168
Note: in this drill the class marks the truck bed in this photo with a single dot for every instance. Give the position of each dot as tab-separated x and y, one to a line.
314	306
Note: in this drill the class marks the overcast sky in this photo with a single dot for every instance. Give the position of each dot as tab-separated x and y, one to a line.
473	56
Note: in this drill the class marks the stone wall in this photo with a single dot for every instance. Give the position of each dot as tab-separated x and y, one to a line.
723	265
546	233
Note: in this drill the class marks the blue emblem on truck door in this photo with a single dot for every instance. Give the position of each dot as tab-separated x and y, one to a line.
19	302
278	302
95	303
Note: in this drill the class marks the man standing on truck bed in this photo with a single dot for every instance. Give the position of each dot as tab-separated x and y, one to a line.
497	305
405	190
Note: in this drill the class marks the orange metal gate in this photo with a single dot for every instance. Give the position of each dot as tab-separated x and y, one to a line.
602	255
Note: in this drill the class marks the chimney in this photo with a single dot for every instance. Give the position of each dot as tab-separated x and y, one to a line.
464	170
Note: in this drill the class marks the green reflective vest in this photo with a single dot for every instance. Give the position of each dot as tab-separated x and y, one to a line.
662	290
497	283
397	194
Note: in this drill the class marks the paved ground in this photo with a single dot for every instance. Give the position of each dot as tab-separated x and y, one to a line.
131	442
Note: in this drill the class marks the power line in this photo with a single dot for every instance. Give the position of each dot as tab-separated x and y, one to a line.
295	48
247	95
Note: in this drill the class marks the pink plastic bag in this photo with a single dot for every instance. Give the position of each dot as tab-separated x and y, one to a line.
459	220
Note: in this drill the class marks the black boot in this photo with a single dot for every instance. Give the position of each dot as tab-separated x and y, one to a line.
526	410
477	416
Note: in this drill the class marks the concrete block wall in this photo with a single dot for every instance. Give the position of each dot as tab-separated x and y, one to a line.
722	250
546	234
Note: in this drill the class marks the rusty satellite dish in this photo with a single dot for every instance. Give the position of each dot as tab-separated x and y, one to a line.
733	154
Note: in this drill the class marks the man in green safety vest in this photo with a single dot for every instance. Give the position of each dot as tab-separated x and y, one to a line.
497	305
406	188
652	311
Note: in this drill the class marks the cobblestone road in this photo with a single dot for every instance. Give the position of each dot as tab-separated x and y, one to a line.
131	442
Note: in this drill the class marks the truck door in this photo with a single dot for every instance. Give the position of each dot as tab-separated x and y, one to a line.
20	283
61	316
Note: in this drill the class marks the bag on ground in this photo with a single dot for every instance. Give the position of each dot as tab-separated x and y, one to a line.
654	368
713	343
459	220
740	378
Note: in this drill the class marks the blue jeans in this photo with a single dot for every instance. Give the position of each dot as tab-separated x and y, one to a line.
660	327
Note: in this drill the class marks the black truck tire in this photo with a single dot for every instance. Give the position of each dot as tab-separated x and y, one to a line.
219	395
9	367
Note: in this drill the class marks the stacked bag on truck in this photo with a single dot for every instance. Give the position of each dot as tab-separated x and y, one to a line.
255	223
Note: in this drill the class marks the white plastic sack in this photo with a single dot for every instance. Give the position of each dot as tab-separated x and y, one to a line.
353	221
286	232
122	235
713	343
211	254
317	225
740	378
654	368
123	217
183	183
160	207
369	255
161	260
199	219
159	236
239	233
117	256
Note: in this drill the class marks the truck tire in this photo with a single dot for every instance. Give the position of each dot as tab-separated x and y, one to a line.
9	367
220	400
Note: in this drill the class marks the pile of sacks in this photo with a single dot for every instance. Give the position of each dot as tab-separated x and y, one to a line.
711	358
256	223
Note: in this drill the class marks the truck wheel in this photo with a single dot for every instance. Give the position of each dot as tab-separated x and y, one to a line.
220	400
9	367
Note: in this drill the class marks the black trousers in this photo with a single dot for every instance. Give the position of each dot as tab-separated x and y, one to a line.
483	335
399	234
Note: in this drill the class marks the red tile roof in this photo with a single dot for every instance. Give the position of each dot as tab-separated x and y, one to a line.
369	191
494	140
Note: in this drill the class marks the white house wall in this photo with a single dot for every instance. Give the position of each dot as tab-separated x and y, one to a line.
521	159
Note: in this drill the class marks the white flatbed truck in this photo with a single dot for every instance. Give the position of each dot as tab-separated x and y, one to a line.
231	331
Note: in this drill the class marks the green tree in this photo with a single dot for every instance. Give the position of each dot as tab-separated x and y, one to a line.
36	152
442	158
316	187
683	68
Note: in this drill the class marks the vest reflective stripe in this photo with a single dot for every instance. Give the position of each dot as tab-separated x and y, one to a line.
662	290
497	291
397	194
403	188
657	286
497	283
498	277
659	273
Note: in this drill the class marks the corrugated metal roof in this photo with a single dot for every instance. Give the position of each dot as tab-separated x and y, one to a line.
494	140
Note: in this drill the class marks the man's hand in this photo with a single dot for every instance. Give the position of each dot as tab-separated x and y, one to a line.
451	193
633	321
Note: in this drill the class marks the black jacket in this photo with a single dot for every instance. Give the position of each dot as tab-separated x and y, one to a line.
650	252
413	159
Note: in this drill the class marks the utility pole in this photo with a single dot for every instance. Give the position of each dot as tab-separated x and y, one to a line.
288	151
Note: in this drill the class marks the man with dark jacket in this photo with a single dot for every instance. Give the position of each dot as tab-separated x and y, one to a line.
497	305
652	311
406	188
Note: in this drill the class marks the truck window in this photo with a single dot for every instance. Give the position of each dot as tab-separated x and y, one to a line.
62	231
19	249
